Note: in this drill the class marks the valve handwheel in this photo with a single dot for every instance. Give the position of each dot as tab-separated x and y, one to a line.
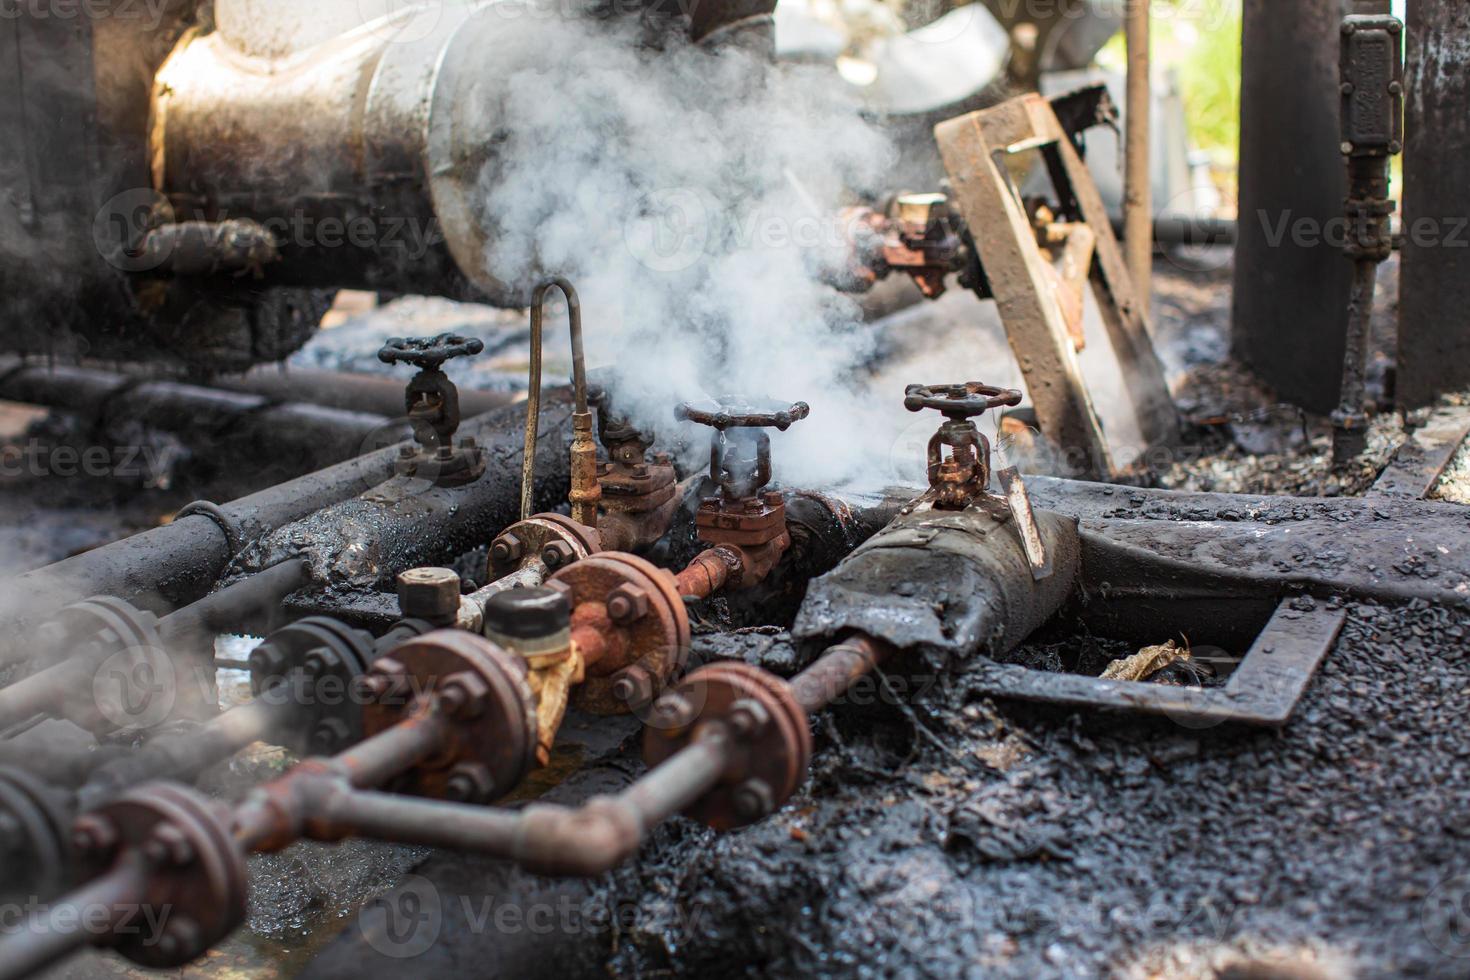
429	353
722	416
960	401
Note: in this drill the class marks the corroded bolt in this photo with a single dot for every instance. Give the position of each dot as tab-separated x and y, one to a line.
94	834
673	711
748	717
462	695
753	799
627	604
429	593
506	549
329	736
557	553
634	686
175	846
469	782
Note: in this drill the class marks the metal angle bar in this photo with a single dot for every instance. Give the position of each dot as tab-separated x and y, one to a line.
1263	691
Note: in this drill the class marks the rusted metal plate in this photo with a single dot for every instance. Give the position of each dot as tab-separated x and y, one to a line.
973	148
1263	690
1421	461
1025	518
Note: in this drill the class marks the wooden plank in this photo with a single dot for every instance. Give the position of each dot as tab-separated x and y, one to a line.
1033	320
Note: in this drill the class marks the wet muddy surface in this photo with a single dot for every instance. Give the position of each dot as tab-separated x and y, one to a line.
944	834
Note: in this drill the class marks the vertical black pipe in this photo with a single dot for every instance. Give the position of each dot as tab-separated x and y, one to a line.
1291	279
1434	337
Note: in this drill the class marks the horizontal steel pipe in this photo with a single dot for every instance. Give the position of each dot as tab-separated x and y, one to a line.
173	565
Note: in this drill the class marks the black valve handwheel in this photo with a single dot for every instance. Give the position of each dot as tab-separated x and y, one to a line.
727	415
429	352
960	401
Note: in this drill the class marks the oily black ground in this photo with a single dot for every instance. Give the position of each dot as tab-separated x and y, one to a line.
956	837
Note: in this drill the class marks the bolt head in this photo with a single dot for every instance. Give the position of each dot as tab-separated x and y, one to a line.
429	593
673	710
748	718
506	549
557	553
753	799
627	604
633	686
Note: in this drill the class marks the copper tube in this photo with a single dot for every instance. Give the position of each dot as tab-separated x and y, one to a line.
586	491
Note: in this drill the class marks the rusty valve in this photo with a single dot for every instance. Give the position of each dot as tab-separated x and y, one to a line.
432	401
745	526
639	495
964	477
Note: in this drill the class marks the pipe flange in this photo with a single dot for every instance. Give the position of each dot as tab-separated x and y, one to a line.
634	610
551	539
772	740
318	663
135	684
493	743
197	881
35	837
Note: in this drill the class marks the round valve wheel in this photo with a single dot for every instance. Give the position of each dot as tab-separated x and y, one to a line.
734	414
328	658
558	541
632	625
493	742
961	401
35	847
429	353
197	884
773	741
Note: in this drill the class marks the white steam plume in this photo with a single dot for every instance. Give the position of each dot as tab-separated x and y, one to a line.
692	197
